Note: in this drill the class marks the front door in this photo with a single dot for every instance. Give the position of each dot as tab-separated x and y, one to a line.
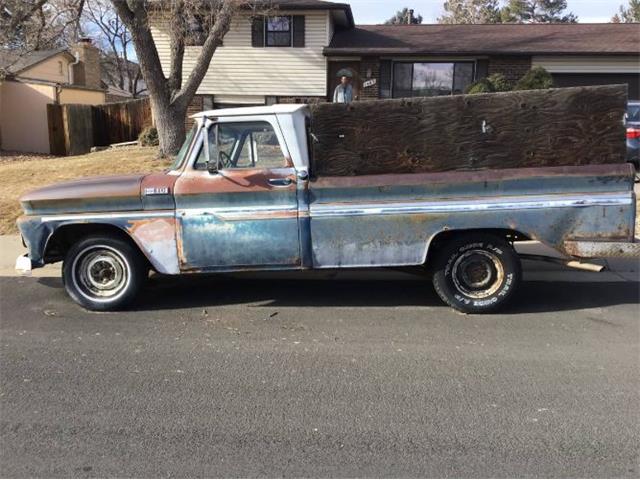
338	69
245	214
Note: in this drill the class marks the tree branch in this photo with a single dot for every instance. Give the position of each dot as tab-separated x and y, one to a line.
134	15
214	39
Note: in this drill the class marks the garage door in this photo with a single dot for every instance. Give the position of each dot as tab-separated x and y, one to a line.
585	79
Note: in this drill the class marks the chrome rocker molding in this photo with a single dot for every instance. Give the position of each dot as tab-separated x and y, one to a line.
485	204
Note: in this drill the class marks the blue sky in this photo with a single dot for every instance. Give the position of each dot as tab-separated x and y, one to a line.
377	11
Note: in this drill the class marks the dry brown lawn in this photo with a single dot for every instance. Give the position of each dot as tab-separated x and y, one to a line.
20	173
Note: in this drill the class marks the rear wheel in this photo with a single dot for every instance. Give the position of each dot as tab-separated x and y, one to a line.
103	273
476	273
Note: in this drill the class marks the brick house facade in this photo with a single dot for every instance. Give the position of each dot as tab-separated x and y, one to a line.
416	60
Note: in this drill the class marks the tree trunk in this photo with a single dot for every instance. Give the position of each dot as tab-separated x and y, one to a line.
169	120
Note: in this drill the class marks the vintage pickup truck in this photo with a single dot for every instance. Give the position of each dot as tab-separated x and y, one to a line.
241	196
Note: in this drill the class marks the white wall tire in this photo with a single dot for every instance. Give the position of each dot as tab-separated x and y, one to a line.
476	273
103	273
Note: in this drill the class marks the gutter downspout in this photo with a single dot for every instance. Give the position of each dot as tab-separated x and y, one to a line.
70	67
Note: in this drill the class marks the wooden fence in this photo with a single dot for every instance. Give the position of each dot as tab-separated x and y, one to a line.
74	129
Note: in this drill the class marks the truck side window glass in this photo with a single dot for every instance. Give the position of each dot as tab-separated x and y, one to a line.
256	145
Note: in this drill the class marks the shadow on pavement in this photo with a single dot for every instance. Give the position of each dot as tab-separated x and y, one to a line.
165	292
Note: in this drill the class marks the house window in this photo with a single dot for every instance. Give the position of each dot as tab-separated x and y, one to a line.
196	34
428	79
278	31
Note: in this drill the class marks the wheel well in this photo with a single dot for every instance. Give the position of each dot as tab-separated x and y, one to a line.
445	236
65	236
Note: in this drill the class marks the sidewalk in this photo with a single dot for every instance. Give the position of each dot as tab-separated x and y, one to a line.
618	269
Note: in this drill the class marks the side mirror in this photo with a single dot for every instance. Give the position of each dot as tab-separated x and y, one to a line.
212	166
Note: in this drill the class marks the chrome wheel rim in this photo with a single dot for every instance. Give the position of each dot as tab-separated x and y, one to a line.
477	273
100	273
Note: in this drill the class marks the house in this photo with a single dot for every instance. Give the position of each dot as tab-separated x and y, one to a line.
33	81
408	60
295	55
266	60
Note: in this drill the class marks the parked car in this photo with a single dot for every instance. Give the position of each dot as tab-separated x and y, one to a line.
632	122
241	196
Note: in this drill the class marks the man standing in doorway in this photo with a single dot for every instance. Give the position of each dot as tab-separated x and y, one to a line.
344	91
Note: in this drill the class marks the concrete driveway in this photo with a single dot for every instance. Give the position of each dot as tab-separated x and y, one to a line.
214	377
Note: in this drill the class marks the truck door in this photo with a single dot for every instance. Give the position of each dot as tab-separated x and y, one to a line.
245	213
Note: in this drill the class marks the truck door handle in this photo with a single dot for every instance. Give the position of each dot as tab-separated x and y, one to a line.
280	182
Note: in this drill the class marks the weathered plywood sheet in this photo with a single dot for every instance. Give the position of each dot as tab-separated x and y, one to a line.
536	128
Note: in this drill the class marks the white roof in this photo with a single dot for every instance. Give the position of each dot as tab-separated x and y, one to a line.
262	110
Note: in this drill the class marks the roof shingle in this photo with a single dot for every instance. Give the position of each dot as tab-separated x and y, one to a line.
506	39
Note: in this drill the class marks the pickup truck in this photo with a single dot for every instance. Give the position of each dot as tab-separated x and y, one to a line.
241	196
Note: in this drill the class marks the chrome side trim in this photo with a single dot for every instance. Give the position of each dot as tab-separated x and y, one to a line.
242	213
486	204
108	216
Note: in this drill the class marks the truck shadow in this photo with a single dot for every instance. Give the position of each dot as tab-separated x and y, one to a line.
208	291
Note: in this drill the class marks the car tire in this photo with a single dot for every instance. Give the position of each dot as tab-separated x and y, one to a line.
476	273
103	273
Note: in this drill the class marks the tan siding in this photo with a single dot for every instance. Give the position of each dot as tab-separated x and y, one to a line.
81	96
23	117
49	70
586	64
239	69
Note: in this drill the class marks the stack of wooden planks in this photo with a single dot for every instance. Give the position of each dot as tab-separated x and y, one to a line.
535	128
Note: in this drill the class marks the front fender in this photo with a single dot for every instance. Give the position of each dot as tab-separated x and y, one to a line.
154	233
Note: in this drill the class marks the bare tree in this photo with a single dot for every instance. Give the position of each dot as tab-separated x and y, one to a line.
170	95
114	40
27	25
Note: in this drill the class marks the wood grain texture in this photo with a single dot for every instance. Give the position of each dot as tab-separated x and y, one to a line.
536	128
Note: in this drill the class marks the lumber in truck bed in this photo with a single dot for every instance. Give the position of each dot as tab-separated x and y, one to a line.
532	128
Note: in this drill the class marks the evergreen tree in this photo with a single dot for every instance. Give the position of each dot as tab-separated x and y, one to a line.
470	11
630	14
400	18
537	11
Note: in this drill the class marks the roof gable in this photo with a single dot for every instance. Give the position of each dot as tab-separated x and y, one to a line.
16	64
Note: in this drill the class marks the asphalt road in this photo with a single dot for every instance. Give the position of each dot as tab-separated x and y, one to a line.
285	378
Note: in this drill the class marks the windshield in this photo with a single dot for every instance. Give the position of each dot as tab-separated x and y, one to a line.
184	150
633	112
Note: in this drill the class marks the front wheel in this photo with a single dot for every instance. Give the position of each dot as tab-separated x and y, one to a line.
103	273
476	273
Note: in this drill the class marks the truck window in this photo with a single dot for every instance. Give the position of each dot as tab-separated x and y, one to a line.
182	154
244	145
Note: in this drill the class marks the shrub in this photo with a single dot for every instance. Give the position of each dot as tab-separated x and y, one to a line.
499	82
481	86
493	83
149	137
535	79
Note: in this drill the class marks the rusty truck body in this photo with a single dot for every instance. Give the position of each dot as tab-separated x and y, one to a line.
242	196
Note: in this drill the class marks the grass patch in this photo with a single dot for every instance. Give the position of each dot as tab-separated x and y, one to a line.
20	173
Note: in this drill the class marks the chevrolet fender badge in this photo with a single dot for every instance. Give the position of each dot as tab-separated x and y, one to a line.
156	191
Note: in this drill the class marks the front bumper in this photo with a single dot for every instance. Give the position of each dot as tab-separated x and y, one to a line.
23	265
602	249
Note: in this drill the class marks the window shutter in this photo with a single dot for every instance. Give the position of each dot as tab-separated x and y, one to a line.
298	31
257	32
385	78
